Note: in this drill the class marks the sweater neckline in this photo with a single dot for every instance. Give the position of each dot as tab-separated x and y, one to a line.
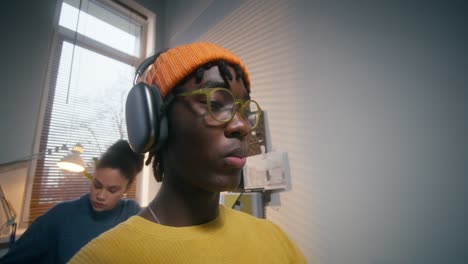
188	232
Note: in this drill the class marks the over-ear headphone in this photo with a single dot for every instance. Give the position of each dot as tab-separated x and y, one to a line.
145	116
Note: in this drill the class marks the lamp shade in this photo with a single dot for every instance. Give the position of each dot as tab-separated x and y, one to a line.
73	161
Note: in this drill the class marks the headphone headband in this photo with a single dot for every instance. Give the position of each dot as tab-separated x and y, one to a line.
145	64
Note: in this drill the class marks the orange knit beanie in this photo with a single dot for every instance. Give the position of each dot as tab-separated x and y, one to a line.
177	63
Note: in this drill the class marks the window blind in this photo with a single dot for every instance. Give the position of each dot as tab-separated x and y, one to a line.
92	67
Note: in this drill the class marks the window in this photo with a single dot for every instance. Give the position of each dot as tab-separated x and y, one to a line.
97	45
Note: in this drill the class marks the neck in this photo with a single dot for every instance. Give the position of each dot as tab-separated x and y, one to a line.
185	207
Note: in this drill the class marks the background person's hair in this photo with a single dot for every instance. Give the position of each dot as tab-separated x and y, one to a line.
155	156
121	157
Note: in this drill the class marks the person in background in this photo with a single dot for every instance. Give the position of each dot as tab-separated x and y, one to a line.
58	234
206	90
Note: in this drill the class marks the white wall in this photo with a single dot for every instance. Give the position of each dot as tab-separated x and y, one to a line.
369	99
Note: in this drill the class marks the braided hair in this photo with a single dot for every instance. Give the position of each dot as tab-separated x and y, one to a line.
154	155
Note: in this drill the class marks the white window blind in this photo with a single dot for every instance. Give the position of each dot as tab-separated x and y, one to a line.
97	46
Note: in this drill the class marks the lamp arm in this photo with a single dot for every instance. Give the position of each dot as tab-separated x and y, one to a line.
10	212
88	175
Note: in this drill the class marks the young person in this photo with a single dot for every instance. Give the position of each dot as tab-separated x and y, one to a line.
58	234
206	90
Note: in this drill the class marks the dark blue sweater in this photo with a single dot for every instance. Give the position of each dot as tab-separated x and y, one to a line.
61	232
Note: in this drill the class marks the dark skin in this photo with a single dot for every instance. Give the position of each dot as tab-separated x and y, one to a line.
196	156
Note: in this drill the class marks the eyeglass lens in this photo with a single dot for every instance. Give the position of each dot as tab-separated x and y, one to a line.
222	107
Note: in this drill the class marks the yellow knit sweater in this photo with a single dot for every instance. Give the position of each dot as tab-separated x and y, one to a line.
234	237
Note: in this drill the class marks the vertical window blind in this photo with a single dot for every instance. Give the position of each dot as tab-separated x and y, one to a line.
95	51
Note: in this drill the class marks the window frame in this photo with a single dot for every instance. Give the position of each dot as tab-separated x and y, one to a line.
61	35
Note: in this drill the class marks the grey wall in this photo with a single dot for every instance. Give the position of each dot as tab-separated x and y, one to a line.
369	99
186	20
386	90
182	14
26	28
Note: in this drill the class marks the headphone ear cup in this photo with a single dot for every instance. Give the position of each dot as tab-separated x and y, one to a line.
147	126
142	119
161	130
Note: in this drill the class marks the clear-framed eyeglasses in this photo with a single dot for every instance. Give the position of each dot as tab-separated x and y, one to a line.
222	106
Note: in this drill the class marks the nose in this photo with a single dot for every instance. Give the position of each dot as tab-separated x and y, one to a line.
100	195
238	127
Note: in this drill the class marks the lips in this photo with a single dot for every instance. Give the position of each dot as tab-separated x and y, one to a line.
236	158
235	162
98	205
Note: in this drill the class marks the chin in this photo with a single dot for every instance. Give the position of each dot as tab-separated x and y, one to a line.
225	183
99	209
